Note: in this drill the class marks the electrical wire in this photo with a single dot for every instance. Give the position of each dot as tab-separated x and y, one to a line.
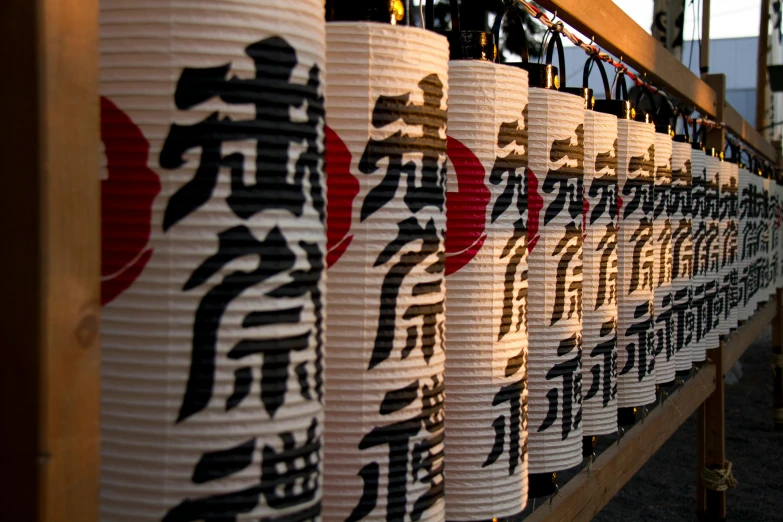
593	50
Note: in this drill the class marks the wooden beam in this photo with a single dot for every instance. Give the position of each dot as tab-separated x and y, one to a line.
704	45
584	496
616	32
50	215
761	67
739	341
748	134
715	437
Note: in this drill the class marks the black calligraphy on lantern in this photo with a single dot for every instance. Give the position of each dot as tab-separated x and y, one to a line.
512	168
423	463
641	348
286	178
566	183
408	141
568	405
604	372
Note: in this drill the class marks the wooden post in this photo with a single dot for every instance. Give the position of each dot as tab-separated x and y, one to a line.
701	494
704	51
777	352
716	138
50	229
761	69
715	436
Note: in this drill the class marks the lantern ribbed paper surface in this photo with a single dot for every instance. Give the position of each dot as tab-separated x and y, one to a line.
746	245
662	239
771	238
728	246
636	262
486	296
682	254
386	155
711	214
213	260
758	255
555	203
700	255
599	316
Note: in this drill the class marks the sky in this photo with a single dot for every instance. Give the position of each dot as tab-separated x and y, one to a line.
728	18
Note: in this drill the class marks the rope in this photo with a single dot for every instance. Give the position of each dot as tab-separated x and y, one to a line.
594	50
719	479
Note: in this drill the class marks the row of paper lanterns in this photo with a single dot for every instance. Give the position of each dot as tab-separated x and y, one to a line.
569	260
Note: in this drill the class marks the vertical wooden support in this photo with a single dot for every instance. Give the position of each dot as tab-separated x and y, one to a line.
716	138
761	69
777	353
704	50
701	495
715	436
50	230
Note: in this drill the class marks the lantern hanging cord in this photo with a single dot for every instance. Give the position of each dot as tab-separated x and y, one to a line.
593	50
719	479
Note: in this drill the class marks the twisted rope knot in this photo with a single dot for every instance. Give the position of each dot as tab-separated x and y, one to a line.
719	479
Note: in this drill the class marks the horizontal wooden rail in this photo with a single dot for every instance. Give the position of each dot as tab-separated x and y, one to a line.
738	342
587	493
748	134
616	32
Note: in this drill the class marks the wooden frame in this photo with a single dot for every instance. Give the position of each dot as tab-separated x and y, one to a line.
50	215
616	32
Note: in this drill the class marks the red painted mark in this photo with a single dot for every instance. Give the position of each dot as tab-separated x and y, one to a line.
466	209
126	202
535	203
341	189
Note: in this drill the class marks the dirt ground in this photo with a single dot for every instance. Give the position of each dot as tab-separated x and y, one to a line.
665	488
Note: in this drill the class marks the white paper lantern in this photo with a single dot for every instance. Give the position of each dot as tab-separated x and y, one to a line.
486	297
758	212
728	245
770	238
662	240
214	240
636	260
555	203
682	255
711	215
744	244
599	316
700	255
386	106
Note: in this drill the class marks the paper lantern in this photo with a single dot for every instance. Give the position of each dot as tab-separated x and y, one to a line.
636	262
700	253
745	245
713	308
386	155
599	316
758	213
486	296
213	262
662	276
555	203
769	238
728	244
681	217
